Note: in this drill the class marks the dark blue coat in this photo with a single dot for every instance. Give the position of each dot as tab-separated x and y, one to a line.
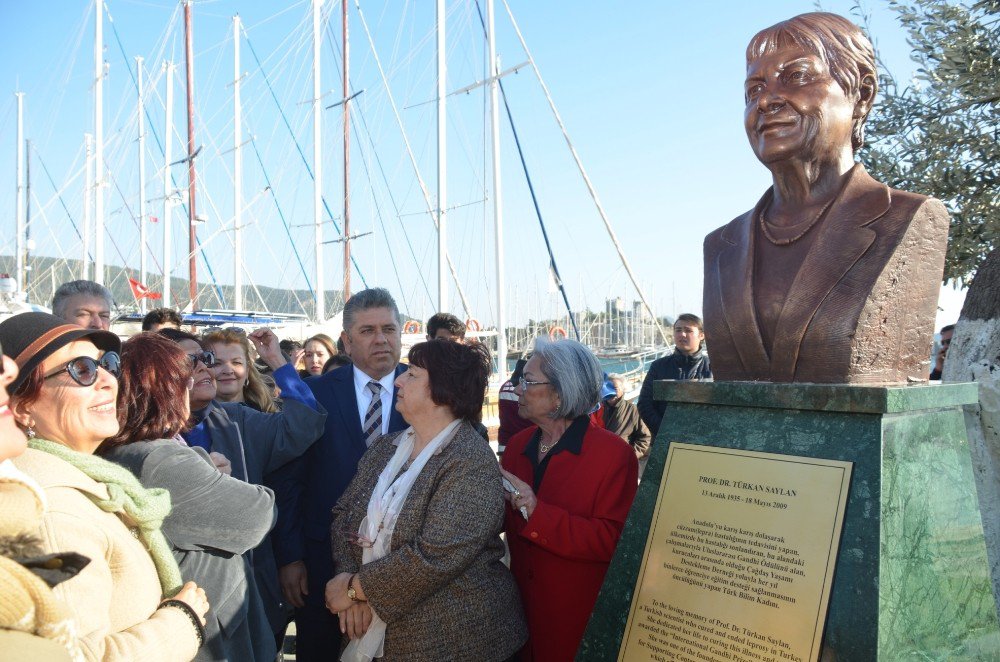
309	487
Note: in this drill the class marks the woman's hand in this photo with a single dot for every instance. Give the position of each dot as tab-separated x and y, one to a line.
523	497
221	463
336	593
268	348
194	596
354	620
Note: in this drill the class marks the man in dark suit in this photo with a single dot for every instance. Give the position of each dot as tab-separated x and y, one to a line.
360	399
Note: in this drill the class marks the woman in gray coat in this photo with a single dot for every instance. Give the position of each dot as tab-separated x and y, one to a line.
214	518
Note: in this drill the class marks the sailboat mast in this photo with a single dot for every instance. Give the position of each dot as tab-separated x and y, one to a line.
19	190
347	158
27	214
237	172
142	182
168	191
88	140
192	216
99	142
442	165
318	166
494	72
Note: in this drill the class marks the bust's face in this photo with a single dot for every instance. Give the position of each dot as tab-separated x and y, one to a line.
795	109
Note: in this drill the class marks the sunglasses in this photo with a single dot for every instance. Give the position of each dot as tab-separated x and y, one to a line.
206	358
216	329
83	369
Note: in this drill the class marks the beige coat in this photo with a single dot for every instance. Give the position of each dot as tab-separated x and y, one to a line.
114	599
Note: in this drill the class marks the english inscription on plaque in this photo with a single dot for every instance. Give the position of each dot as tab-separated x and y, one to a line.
740	557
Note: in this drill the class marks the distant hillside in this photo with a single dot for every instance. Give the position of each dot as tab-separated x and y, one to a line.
48	273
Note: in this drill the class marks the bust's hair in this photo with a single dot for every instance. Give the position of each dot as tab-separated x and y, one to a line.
839	43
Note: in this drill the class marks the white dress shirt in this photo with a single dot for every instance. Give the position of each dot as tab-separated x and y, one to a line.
364	397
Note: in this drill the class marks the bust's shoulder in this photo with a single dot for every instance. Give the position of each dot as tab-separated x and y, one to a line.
911	202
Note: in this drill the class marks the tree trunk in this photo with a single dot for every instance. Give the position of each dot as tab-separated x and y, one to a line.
974	356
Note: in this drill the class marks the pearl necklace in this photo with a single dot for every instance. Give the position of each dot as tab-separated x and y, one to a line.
808	226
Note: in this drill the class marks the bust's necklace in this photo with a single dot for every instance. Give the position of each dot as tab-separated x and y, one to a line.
783	236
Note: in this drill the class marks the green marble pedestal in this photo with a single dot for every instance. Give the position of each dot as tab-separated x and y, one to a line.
912	580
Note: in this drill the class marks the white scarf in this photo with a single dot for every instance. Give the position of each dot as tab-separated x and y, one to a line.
386	502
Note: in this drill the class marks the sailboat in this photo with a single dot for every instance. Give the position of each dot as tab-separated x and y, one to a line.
268	231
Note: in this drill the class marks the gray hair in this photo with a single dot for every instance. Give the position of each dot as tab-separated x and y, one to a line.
376	297
73	288
574	373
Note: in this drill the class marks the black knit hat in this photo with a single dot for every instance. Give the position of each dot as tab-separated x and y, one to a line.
30	338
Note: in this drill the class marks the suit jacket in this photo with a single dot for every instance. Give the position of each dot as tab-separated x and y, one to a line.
308	487
443	589
859	310
559	556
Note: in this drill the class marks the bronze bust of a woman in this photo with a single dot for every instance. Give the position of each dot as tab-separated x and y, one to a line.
832	277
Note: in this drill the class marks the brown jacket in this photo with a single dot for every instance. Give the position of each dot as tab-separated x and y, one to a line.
859	310
442	589
114	599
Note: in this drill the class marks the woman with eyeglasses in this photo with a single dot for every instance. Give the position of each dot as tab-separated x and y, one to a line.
215	518
34	623
255	443
129	602
573	484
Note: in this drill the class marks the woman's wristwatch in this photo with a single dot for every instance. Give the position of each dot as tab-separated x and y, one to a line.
351	593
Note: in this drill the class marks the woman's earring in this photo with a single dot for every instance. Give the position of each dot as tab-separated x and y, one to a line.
30	431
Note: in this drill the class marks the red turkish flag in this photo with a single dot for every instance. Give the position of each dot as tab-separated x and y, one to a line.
140	291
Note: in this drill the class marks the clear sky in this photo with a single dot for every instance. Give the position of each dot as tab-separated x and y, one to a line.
650	93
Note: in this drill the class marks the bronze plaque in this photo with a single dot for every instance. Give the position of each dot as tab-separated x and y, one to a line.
740	556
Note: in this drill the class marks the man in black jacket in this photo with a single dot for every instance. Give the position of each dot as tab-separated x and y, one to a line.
689	360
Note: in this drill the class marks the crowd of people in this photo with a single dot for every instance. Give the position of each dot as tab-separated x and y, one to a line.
183	495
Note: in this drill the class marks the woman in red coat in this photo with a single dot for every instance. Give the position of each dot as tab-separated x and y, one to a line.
573	486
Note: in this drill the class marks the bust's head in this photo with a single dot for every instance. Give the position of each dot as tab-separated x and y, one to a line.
814	76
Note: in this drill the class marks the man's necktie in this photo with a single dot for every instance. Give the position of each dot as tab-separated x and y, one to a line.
373	419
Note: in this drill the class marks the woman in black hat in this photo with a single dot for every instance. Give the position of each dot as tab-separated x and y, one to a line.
128	603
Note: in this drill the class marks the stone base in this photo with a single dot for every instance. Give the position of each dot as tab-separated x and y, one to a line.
912	579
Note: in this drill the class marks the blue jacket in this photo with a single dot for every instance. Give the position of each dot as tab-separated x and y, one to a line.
309	487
